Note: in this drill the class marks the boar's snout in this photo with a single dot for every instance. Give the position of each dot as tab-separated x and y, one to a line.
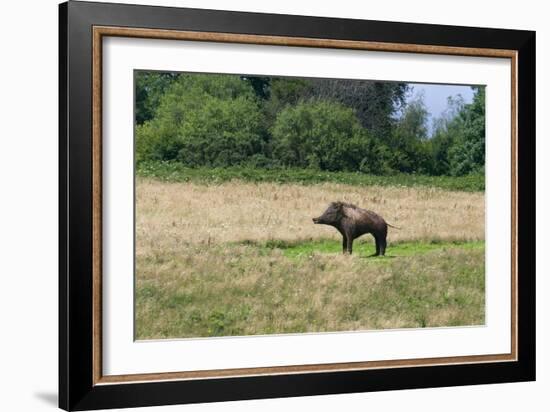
316	220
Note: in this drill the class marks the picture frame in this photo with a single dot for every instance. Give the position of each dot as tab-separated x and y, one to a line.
83	27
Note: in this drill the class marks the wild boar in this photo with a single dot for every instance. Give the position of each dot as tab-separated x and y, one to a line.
352	222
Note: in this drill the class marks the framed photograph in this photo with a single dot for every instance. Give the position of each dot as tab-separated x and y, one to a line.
256	205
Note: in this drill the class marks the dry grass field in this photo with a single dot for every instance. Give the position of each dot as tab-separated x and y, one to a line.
243	258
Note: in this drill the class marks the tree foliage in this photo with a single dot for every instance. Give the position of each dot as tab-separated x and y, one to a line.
324	135
458	145
408	142
204	120
208	120
375	103
150	87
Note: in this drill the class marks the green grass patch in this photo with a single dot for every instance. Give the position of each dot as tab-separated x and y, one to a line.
176	172
362	247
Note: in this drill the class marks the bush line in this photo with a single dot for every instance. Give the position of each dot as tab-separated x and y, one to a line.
176	172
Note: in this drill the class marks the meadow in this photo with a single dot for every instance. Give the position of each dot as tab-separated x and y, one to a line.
241	256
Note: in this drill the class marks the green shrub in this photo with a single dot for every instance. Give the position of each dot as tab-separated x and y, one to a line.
204	120
176	172
326	136
217	121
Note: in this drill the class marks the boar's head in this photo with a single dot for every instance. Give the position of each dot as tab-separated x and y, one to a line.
332	216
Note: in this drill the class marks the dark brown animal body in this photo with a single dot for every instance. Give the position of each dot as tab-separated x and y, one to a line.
352	222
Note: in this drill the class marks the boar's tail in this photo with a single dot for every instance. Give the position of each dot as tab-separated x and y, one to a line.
395	227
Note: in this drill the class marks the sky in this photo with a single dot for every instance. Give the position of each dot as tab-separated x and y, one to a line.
435	97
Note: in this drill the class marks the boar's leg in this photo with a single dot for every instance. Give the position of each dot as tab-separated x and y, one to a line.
344	243
380	239
383	236
377	241
383	245
349	244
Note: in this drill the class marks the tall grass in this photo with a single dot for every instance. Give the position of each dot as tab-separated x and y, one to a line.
244	258
169	214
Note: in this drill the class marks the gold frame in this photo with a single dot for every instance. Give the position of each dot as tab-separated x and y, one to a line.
101	31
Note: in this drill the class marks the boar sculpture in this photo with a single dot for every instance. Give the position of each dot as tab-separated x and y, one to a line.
352	222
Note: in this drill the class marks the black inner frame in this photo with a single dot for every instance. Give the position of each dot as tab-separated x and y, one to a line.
76	388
